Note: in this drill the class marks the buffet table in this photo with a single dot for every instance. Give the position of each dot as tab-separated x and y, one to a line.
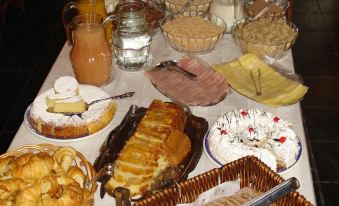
124	81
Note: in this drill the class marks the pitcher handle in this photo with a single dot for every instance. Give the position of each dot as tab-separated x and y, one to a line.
110	24
70	5
70	33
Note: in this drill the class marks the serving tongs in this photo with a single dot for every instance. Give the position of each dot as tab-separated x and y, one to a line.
257	89
106	170
173	66
275	193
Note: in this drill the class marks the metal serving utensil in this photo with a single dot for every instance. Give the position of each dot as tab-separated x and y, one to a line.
186	5
262	11
120	96
122	196
173	65
257	90
106	170
275	193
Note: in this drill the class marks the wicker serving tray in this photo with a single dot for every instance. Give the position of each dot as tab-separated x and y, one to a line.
249	170
79	161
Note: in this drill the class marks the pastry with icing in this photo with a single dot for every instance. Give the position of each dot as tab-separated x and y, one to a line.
50	112
253	132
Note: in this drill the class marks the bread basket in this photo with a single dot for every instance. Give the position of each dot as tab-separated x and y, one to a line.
250	172
79	161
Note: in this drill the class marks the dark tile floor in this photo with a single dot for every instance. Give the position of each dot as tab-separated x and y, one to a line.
31	39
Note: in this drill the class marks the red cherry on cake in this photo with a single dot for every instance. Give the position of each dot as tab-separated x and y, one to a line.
243	113
282	139
276	119
223	132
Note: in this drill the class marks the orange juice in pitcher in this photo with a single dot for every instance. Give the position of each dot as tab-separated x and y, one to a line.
92	6
91	56
86	7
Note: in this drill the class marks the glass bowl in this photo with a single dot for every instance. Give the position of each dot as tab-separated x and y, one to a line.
276	9
269	40
189	35
197	7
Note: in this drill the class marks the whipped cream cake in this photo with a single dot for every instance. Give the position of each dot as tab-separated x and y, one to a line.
253	132
50	114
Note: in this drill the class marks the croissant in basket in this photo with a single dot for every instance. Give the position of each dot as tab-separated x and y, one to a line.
42	178
157	143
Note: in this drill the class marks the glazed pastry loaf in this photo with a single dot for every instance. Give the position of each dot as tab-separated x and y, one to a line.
143	157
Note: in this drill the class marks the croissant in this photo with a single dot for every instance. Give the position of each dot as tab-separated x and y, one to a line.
77	174
49	185
5	202
73	195
23	159
64	180
59	171
37	167
10	186
4	164
74	192
64	157
29	196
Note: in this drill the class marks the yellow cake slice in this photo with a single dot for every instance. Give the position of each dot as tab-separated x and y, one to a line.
69	105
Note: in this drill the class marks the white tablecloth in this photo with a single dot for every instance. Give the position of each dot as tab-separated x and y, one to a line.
124	81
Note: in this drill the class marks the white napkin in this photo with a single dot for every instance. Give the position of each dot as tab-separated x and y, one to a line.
222	190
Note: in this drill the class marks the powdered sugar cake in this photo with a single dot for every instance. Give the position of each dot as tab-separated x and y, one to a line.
62	126
209	88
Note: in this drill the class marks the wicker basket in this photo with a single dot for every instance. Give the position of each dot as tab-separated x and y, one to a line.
79	161
249	170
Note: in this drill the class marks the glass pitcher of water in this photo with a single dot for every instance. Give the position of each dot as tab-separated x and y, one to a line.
131	38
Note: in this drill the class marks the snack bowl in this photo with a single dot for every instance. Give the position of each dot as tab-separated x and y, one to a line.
31	157
193	34
197	7
275	8
267	38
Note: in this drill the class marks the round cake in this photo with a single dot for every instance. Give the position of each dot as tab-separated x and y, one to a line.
253	132
56	124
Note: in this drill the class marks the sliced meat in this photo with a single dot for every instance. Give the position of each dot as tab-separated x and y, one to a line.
209	88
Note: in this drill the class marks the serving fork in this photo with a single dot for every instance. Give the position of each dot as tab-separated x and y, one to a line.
173	66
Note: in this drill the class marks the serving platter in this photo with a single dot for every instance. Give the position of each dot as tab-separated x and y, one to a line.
242	135
207	88
195	129
270	84
54	139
